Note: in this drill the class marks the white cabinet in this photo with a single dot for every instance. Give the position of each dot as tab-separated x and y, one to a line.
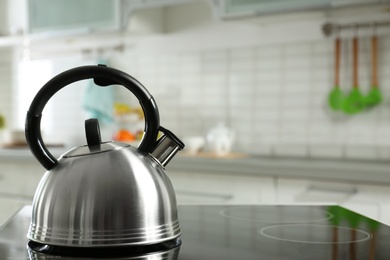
19	179
18	182
8	208
231	8
3	18
237	8
146	3
368	199
213	188
372	201
42	16
307	191
92	15
13	17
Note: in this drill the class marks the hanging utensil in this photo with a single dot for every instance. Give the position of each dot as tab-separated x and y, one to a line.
354	102
336	96
374	96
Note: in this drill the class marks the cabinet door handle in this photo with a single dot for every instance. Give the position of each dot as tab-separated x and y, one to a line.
224	197
320	193
333	190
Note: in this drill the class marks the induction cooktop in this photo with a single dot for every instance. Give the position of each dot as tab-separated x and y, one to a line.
242	232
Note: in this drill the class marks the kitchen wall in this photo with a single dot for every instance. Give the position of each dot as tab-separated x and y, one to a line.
266	78
273	96
6	81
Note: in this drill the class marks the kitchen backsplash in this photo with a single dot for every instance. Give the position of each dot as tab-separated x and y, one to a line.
274	97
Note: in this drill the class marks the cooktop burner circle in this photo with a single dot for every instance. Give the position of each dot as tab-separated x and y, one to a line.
315	234
278	214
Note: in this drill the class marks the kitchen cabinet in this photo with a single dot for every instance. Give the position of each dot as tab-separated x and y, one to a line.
208	188
18	182
368	199
90	15
3	18
237	8
307	190
8	208
233	181
231	8
145	3
372	201
19	17
283	181
13	17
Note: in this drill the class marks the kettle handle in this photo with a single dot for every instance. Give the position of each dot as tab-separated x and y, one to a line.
103	76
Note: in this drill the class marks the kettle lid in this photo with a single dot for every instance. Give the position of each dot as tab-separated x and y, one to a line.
94	143
86	150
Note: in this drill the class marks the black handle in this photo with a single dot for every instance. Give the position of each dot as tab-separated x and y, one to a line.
103	76
92	133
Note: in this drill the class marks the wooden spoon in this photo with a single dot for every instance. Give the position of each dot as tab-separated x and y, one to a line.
354	102
336	96
374	97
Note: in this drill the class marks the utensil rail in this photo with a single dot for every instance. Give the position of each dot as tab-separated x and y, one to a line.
329	28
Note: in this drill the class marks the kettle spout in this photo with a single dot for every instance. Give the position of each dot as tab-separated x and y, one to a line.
166	147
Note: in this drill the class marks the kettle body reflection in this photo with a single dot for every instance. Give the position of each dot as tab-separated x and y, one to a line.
171	254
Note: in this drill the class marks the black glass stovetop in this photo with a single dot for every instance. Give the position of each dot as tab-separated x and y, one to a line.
245	232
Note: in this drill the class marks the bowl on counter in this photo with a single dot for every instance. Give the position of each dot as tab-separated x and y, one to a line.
194	144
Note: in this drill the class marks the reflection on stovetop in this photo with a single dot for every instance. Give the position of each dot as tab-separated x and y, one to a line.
274	214
171	254
246	232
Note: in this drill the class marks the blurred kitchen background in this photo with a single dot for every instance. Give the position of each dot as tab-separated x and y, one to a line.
256	72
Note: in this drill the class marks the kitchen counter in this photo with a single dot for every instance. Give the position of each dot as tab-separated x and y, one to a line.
363	186
375	172
324	169
25	153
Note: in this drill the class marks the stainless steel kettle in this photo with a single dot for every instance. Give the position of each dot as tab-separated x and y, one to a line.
103	194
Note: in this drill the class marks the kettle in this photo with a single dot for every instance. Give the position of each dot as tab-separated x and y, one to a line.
103	194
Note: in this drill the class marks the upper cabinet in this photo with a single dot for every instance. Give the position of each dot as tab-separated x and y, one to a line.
64	17
13	17
88	15
231	8
20	17
237	8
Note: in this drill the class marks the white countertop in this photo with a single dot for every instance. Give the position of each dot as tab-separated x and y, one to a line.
377	172
26	154
348	171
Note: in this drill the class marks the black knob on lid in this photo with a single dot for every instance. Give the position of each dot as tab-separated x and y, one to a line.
92	132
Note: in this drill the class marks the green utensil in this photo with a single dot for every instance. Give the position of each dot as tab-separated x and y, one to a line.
374	96
336	96
337	213
355	101
2	121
